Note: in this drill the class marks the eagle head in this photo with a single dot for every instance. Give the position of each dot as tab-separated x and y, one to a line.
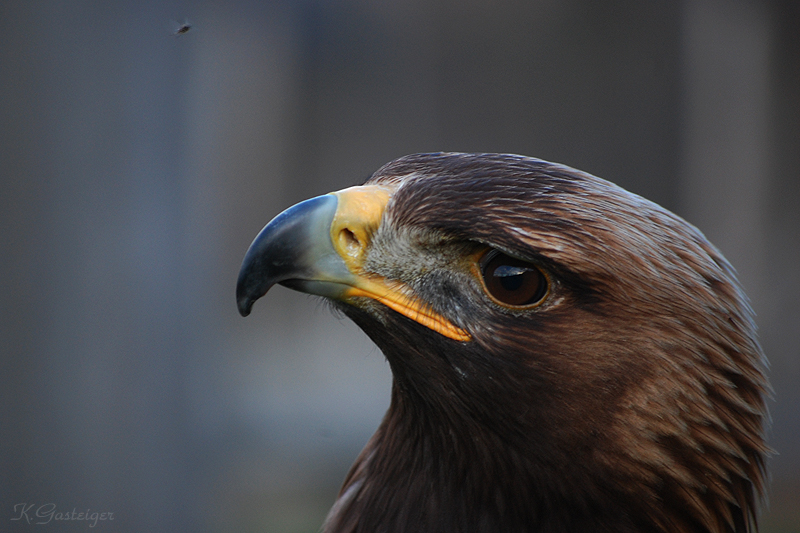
566	355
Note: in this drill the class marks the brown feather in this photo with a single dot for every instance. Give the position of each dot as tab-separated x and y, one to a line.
632	400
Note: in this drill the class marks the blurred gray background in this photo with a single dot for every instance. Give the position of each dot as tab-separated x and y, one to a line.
137	166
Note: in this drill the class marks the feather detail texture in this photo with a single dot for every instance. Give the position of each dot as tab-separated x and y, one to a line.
630	399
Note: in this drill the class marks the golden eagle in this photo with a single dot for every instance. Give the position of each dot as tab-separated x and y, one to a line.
567	356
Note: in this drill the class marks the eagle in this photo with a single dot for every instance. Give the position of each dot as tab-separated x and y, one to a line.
566	356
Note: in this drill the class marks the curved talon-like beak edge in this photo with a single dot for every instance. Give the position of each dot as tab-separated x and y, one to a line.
319	246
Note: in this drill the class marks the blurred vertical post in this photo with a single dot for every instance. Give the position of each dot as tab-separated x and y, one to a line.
726	167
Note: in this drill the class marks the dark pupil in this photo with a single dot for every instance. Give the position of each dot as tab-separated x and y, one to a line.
513	281
511	277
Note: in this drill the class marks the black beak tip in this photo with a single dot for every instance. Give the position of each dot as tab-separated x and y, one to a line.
243	302
278	253
245	306
247	293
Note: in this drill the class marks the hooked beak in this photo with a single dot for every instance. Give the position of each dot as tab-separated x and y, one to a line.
319	247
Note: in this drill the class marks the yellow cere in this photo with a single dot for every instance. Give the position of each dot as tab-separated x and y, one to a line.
358	215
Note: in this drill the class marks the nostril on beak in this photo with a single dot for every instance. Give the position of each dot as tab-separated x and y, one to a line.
350	241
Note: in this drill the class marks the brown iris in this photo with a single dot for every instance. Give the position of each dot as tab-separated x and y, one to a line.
512	282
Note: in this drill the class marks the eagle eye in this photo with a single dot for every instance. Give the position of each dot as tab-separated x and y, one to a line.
512	282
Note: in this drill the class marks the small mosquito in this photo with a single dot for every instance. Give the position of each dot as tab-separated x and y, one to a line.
180	29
